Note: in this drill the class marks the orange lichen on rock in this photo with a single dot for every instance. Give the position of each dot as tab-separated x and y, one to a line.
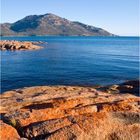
126	105
66	112
7	132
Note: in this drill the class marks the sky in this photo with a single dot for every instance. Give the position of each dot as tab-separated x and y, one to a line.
120	17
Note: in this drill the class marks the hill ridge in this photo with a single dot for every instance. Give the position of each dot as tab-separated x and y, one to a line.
50	24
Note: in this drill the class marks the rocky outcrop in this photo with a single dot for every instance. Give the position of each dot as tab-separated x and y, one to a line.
130	86
65	113
19	45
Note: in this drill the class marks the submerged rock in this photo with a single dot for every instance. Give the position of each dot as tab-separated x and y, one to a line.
66	112
19	45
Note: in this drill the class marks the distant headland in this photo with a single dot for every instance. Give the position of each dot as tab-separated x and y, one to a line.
50	24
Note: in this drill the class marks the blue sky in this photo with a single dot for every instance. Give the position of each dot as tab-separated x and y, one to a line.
120	17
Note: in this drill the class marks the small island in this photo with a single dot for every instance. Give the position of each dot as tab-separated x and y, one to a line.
19	45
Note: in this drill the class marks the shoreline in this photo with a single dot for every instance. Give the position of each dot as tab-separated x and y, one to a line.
67	36
129	86
71	112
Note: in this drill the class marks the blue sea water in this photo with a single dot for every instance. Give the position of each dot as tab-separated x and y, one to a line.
84	61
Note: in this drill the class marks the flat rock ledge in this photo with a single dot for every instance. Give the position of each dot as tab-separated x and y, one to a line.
19	45
68	113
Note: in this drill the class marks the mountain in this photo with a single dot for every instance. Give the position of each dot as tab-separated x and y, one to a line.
50	24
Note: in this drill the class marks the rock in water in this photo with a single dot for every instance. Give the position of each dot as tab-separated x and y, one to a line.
66	113
18	45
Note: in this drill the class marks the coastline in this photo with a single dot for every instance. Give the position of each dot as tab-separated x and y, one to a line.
71	112
69	70
129	86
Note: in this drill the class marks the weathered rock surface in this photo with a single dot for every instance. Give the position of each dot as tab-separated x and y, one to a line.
69	113
8	132
19	45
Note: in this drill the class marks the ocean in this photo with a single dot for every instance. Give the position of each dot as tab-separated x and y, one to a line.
83	61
